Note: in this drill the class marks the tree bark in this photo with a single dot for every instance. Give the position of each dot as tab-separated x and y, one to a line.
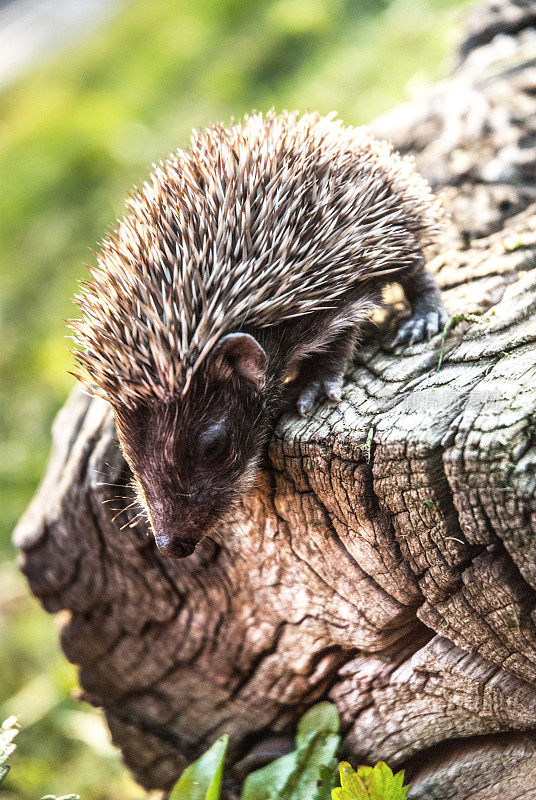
387	560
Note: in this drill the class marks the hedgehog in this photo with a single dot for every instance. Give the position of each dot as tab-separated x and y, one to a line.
235	289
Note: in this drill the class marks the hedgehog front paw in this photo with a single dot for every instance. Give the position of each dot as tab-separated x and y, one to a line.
331	388
421	326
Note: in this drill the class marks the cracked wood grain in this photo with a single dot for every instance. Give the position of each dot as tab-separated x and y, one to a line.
386	559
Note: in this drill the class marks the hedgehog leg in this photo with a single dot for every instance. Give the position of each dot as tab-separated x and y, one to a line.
428	314
323	373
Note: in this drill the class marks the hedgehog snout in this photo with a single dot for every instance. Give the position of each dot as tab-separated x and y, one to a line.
176	535
173	540
173	547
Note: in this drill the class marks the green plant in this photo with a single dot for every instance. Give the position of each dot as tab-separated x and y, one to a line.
296	776
202	779
308	773
370	783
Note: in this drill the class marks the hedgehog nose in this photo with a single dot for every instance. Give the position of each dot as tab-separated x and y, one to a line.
175	534
172	539
173	546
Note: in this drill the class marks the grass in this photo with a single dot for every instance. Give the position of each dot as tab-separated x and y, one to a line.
74	136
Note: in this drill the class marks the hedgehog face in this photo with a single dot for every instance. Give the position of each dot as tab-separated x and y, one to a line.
193	457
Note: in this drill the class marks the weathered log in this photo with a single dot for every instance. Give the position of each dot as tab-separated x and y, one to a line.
387	560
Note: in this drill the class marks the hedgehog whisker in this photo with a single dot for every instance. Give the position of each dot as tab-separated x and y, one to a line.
136	520
119	497
126	525
122	510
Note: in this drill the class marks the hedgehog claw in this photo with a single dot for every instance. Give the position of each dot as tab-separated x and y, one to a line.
421	327
331	387
432	324
307	398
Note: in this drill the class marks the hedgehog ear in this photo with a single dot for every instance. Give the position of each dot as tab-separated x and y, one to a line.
240	354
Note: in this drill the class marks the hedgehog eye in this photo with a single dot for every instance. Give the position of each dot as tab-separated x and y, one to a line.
214	441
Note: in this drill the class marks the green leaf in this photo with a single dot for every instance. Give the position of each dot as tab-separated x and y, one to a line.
328	780
297	776
8	731
202	779
322	718
370	783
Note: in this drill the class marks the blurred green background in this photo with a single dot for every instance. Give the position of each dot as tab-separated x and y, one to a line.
75	134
